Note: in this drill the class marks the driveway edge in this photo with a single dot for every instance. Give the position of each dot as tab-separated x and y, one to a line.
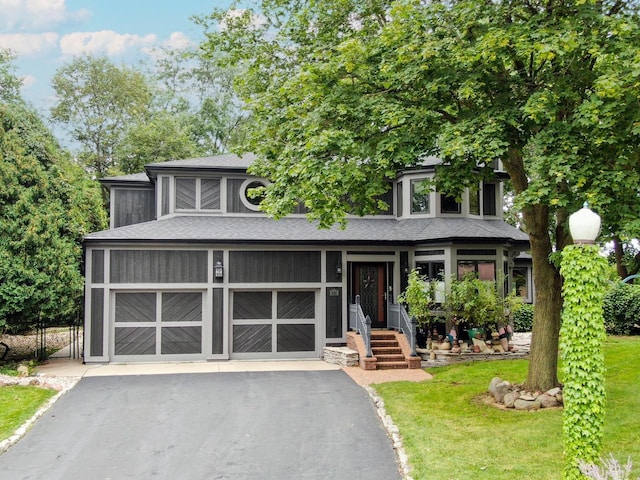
392	431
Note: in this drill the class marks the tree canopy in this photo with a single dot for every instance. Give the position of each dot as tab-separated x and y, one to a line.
344	94
123	118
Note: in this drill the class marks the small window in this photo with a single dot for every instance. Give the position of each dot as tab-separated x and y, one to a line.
489	199
521	282
481	269
474	202
250	201
419	197
449	204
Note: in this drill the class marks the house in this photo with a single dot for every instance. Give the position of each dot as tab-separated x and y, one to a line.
190	269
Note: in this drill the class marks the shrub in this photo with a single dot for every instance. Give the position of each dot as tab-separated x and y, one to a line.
523	318
622	310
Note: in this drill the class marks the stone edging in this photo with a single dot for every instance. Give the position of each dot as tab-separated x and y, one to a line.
392	431
62	384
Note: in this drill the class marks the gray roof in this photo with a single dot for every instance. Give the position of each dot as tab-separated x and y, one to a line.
260	229
226	161
134	177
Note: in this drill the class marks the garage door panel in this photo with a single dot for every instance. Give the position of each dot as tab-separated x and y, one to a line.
296	338
252	338
135	341
181	307
135	307
296	305
180	340
251	305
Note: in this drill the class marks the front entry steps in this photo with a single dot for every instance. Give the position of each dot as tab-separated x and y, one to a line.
390	350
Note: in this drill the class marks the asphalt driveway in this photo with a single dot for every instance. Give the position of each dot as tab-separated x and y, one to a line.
249	425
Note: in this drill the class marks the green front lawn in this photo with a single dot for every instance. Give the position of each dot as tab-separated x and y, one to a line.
18	404
449	432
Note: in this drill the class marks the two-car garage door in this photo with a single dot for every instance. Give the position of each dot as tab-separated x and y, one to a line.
157	325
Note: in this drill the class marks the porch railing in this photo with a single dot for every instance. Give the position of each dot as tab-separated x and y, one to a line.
361	324
399	320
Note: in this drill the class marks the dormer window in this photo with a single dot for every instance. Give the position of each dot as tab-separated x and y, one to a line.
449	204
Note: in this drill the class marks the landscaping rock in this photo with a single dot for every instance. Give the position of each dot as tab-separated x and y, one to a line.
23	370
554	391
510	399
548	401
527	405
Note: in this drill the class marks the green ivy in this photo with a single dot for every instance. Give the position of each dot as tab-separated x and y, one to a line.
582	337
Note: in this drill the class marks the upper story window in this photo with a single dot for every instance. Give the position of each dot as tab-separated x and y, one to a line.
197	193
489	202
474	202
419	197
250	201
449	204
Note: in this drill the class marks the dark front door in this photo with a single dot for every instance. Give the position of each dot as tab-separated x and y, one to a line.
370	284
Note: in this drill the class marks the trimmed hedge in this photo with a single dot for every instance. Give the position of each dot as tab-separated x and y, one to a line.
523	318
622	310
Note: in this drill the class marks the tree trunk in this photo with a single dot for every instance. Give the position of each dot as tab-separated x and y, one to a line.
619	253
543	357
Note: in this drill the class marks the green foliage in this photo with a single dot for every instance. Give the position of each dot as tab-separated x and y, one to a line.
47	204
97	100
420	296
523	317
582	339
9	83
622	309
478	302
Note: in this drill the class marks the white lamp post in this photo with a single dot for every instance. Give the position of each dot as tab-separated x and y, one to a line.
584	225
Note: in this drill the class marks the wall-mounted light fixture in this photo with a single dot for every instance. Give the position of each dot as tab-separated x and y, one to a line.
218	269
339	269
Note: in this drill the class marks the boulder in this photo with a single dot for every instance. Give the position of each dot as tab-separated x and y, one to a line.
527	405
554	391
548	401
510	399
23	370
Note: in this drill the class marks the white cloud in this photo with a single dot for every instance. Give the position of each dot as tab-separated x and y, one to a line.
30	15
177	41
29	44
105	42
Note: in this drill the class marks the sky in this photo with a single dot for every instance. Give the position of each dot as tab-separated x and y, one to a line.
46	34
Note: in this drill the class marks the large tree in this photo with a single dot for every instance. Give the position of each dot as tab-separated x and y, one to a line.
345	93
97	101
47	204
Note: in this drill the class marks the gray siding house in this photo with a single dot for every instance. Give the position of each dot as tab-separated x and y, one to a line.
190	269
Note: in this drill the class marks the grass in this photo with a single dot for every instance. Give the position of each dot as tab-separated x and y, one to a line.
449	432
18	404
